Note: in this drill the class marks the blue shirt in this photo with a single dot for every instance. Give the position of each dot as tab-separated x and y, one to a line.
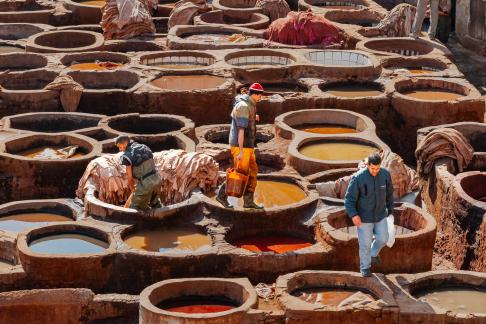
370	197
243	116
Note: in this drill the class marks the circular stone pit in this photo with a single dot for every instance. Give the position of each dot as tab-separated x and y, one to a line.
20	31
50	122
342	64
179	60
414	66
158	301
157	143
258	58
14	62
100	81
238	19
396	46
236	6
70	255
336	5
25	12
95	61
64	41
363	19
471	186
85	11
415	234
352	90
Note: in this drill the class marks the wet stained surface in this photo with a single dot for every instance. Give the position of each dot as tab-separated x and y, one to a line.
455	299
170	241
337	151
21	222
433	94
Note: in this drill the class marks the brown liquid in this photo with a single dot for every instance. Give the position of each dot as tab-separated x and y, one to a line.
353	91
96	3
21	222
271	243
10	49
326	296
399	230
181	66
49	153
337	151
188	82
433	94
171	241
68	244
5	264
97	66
326	129
458	300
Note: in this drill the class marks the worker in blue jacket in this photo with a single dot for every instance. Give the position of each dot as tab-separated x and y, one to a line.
368	202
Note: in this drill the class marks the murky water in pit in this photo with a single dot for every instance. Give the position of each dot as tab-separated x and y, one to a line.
353	91
170	241
96	66
188	82
68	244
48	152
327	296
326	129
337	151
271	243
456	299
433	94
198	304
22	222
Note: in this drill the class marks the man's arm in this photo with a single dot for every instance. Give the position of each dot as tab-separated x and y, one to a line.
242	118
131	180
241	141
351	200
389	194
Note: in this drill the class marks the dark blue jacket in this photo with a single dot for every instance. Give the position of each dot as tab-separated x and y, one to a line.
370	197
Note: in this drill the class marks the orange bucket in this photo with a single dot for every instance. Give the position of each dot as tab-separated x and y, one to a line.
236	182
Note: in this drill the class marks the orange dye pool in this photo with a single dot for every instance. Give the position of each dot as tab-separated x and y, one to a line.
198	304
274	243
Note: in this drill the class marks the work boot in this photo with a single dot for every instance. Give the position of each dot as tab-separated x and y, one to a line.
366	273
222	198
248	201
375	261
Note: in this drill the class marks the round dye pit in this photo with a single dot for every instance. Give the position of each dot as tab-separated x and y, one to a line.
456	299
94	3
65	41
337	150
249	20
338	58
4	264
326	129
18	31
198	304
255	58
169	241
52	152
140	124
97	80
52	122
21	62
434	94
277	243
188	82
21	222
400	46
31	80
68	243
95	61
369	19
415	70
178	60
338	5
475	186
96	66
220	134
331	296
353	90
5	49
281	88
270	193
209	37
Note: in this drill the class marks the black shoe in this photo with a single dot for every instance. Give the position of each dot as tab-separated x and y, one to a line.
222	198
248	201
375	261
366	273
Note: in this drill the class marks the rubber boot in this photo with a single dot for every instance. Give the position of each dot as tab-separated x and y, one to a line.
248	201
222	198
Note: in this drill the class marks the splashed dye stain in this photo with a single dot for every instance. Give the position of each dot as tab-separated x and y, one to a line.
68	244
4	264
353	91
433	94
337	151
48	152
198	304
96	66
271	243
21	222
171	241
326	296
326	129
188	82
455	299
4	49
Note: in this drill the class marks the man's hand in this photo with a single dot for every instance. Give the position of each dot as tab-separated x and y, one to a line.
257	117
240	155
356	220
131	184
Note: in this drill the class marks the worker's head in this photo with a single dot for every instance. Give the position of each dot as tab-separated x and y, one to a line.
374	164
122	142
256	92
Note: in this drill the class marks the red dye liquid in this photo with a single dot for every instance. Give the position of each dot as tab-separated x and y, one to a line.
274	243
198	304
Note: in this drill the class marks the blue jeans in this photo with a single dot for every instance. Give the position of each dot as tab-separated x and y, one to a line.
369	247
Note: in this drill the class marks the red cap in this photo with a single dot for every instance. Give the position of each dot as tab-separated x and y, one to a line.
256	87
